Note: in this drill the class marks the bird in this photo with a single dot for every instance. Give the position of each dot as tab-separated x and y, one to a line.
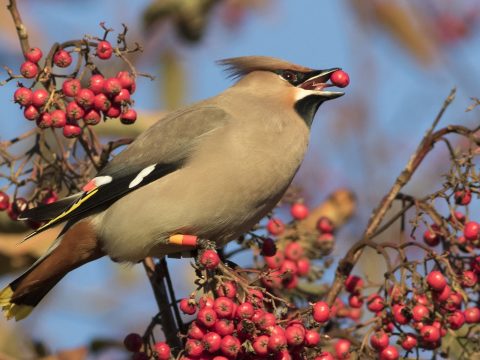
211	170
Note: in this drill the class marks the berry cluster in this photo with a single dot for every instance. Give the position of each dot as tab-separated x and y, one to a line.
232	324
64	108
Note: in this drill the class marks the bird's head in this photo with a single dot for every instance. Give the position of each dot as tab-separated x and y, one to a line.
305	88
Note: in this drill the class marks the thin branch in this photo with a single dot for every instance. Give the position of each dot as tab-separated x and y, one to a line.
348	262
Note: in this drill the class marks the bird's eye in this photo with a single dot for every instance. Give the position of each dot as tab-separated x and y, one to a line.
290	76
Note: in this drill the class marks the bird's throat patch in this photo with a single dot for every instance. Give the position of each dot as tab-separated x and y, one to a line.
307	107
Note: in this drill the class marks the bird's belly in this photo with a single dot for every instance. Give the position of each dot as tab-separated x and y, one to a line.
218	201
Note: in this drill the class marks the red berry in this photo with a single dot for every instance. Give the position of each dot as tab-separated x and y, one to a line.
230	346
389	353
101	102
401	314
431	237
59	118
71	130
245	311
379	340
275	226
85	98
126	80
463	197
104	50
469	278
299	211
31	113
457	217
18	206
436	280
355	301
112	86
294	335
163	350
266	320
342	349
277	342
211	342
92	117
23	96
62	58
456	320
74	111
325	225
420	312
440	296
223	306
453	302
195	331
194	348
228	289
472	315
71	87
113	112
187	306
123	97
34	55
206	301
284	355
275	261
303	266
321	312
324	355
430	333
409	342
260	345
353	284
471	230
288	268
293	251
340	78
224	327
29	69
39	98
4	201
268	247
207	317
128	117
96	83
421	299
44	121
312	338
133	342
375	302
209	259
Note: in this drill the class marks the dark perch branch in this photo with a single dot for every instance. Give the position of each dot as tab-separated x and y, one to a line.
346	265
157	275
21	29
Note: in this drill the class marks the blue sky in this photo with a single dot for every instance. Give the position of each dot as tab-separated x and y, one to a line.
401	96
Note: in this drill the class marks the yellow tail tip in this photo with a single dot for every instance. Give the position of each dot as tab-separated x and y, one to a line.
11	310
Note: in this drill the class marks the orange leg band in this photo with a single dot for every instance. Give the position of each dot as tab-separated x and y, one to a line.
183	240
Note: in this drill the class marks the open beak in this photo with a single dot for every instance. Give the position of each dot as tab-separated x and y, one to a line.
317	81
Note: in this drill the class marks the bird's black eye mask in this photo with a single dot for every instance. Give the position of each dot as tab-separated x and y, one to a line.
296	77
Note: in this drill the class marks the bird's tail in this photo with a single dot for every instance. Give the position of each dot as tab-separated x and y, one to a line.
74	248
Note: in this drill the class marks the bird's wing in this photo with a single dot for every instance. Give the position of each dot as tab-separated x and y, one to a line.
160	150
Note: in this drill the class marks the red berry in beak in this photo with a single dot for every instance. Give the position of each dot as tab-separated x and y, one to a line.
340	78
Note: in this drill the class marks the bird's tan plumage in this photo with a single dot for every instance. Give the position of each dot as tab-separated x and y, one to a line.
218	167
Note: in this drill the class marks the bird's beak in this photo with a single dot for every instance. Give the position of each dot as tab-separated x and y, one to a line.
317	81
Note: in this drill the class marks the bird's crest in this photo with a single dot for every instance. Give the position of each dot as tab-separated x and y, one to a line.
241	66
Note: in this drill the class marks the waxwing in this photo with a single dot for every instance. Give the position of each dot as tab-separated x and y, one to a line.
211	170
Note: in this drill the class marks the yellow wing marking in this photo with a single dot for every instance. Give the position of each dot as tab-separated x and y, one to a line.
75	206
